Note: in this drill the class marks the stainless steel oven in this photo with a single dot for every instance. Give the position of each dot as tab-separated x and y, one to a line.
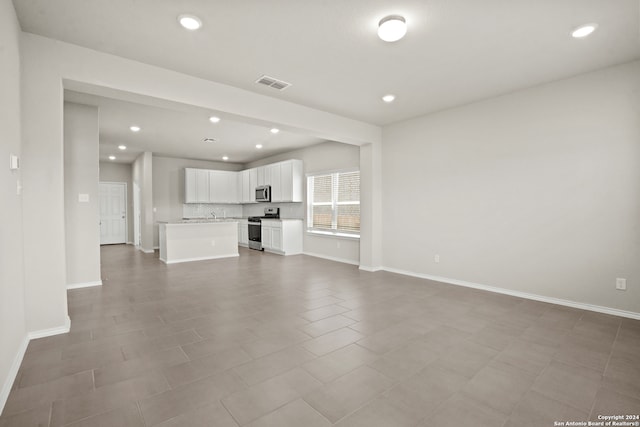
255	233
255	227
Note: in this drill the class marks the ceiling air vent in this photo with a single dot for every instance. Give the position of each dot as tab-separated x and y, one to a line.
210	140
274	83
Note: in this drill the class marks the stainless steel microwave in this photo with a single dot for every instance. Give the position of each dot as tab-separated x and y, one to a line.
263	193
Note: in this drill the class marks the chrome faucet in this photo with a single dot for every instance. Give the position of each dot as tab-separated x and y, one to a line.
213	214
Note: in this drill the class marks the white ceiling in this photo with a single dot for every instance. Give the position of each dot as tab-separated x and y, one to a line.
455	52
175	133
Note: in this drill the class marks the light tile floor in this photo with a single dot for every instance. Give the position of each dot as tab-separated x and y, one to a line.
264	340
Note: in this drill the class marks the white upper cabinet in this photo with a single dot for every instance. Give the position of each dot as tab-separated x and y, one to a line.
249	184
196	185
190	186
273	171
228	187
223	187
291	181
262	176
210	186
286	181
202	186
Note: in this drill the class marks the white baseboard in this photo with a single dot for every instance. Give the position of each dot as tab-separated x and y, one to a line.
51	331
370	269
525	295
156	248
84	285
17	360
331	258
129	243
13	372
146	251
178	261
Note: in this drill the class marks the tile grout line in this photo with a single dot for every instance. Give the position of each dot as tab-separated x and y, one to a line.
50	413
593	404
144	422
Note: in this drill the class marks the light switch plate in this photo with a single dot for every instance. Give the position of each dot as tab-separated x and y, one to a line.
621	284
14	162
83	198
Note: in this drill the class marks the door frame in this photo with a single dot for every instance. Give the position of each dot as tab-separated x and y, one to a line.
126	207
137	238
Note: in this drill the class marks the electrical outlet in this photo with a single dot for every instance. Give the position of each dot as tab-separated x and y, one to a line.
436	258
338	245
213	243
621	284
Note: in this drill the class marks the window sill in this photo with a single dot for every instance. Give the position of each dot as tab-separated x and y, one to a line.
334	234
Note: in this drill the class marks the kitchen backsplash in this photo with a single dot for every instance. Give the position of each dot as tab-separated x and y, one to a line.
203	210
287	210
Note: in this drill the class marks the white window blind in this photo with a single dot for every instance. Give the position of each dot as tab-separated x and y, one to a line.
334	203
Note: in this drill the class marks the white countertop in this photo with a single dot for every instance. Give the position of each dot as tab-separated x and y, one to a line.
199	221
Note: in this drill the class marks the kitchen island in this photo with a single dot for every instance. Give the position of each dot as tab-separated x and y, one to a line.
184	241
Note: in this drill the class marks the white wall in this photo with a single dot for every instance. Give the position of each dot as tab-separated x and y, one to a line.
120	172
13	327
43	178
168	186
82	219
319	158
142	175
536	191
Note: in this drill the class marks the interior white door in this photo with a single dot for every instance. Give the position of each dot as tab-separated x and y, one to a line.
113	213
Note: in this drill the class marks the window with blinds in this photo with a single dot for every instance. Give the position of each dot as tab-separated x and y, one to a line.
334	203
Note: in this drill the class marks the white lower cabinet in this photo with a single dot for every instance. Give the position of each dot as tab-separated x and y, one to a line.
243	232
282	236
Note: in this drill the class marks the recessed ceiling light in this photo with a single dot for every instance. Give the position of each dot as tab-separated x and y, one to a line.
275	130
112	157
392	28
135	128
214	119
258	146
225	158
389	98
584	30
122	147
190	22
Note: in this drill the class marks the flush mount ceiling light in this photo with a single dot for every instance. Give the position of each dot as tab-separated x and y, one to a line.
190	22
214	119
135	128
389	98
583	31
122	147
258	146
225	158
275	130
112	157
392	28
